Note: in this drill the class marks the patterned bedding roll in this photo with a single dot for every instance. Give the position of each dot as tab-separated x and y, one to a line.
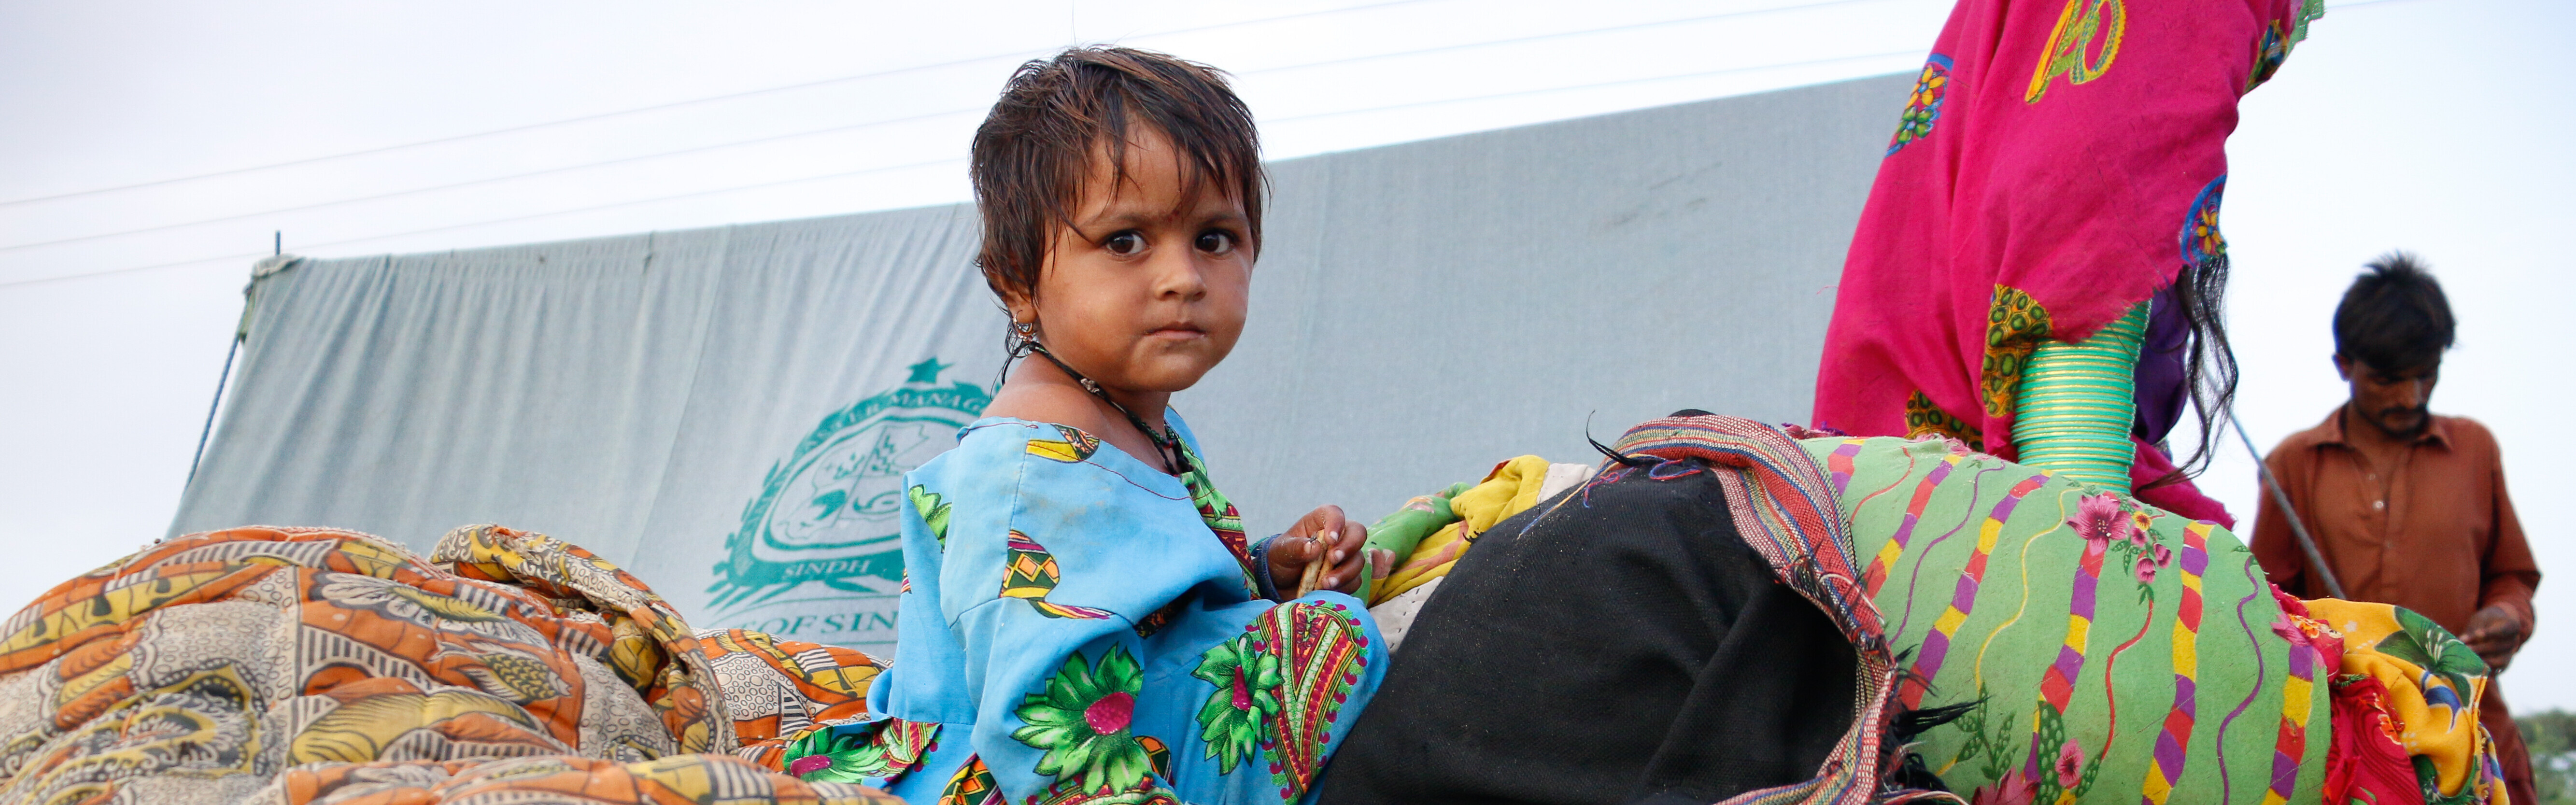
2104	650
317	666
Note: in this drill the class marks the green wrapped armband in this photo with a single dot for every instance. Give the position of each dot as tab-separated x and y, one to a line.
2077	402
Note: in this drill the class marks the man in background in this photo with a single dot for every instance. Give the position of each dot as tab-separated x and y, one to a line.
2408	508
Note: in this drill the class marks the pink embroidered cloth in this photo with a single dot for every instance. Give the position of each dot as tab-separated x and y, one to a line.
2058	162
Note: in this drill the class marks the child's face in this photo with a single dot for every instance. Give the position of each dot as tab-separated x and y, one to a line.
1146	291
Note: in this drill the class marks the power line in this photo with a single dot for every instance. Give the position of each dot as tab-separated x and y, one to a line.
1568	34
511	219
490	180
763	185
968	110
672	105
910	69
1586	32
1648	80
1281	68
810	84
510	130
129	270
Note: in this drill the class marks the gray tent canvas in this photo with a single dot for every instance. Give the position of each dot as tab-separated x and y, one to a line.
727	412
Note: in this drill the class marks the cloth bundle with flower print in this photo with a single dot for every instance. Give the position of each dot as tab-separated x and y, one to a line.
2106	650
2110	651
312	665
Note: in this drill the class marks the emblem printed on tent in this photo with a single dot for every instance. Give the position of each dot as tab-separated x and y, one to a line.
827	523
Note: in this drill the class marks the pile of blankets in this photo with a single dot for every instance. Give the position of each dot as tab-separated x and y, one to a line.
310	666
305	666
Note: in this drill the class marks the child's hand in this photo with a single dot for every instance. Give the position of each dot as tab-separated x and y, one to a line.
1324	536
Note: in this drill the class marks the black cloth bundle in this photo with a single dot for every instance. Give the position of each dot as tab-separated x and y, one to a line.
1623	647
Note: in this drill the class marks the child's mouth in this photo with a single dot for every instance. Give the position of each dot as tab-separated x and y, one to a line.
1177	331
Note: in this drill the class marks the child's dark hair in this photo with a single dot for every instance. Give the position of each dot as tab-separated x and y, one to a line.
2395	317
1033	151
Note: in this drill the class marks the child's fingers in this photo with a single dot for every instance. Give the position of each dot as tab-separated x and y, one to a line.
1334	551
1376	562
1313	576
1290	558
1345	577
1346	550
1350	558
1303	551
1324	521
1354	535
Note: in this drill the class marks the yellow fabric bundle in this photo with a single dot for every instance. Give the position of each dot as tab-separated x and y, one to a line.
2433	683
1512	487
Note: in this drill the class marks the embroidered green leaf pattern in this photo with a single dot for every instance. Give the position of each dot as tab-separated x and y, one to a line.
851	755
934	511
2051	727
1245	680
2429	779
846	752
1081	720
2429	646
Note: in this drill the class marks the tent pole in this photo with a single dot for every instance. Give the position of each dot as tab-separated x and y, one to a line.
2298	529
277	246
235	349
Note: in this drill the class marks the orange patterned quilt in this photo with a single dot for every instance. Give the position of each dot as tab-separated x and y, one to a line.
316	666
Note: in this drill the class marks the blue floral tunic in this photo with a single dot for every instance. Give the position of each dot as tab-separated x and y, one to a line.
1079	627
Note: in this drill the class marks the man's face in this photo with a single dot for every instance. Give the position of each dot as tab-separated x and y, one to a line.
2391	400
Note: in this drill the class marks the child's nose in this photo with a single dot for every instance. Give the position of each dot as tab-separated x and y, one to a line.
1180	275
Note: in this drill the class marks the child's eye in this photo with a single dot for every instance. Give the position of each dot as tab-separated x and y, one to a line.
1216	241
1124	244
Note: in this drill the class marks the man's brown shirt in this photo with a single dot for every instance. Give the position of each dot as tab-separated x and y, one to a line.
2443	542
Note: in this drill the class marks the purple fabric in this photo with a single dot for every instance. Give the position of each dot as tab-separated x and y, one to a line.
2163	365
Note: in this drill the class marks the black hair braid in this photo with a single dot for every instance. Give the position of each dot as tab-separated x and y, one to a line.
2209	372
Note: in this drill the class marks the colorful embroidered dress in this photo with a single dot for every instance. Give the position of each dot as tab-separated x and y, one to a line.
1081	627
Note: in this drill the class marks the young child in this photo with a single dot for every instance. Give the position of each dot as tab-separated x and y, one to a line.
1083	620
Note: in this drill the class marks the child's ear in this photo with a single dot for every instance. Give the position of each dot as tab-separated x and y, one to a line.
1021	308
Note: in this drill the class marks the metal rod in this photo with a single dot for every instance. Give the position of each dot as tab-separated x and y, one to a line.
211	408
2298	529
277	242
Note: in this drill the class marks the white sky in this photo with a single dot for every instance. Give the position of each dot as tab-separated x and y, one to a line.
2435	125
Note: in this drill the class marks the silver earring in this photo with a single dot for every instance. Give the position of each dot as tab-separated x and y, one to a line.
1024	336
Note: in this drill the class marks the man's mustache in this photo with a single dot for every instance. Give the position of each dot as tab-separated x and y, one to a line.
2417	420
